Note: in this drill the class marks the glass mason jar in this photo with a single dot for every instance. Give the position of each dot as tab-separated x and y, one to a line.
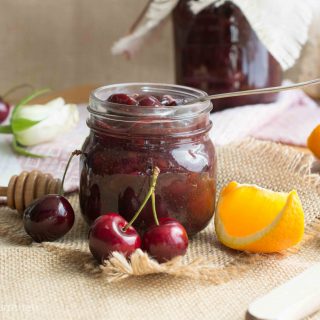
218	51
126	142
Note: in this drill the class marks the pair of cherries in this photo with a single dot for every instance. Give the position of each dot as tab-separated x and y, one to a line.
163	240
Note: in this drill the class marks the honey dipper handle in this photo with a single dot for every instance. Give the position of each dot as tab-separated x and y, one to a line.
3	191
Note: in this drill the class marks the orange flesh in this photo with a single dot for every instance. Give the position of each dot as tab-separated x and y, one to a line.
258	209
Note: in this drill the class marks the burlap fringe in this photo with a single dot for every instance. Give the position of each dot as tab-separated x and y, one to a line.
117	267
140	264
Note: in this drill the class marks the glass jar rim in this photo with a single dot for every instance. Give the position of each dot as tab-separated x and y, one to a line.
99	105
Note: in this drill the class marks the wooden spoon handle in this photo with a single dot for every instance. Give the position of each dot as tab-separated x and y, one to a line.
294	300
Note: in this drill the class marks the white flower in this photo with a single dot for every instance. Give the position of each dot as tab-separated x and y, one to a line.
34	124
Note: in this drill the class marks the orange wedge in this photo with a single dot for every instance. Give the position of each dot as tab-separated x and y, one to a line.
313	142
255	219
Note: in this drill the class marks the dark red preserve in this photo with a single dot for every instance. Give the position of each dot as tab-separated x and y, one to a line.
217	51
127	140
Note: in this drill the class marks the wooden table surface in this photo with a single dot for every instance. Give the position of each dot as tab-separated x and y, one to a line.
80	94
76	94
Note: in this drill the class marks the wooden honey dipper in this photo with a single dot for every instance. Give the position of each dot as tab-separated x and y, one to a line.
28	186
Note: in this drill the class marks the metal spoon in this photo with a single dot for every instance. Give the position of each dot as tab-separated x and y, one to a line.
254	91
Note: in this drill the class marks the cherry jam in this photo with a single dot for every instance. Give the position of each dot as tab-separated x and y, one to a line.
218	51
126	141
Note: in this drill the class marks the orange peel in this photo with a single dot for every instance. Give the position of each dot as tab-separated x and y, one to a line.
313	141
254	219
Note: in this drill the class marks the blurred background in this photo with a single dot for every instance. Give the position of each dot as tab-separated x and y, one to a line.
60	44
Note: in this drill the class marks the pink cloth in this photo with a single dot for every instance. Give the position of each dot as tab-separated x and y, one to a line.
289	120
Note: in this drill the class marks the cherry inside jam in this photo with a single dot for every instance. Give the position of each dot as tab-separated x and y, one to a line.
143	100
119	157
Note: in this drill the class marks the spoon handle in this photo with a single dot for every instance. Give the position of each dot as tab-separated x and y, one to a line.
294	300
261	91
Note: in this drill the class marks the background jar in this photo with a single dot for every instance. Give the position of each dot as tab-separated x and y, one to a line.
218	51
126	142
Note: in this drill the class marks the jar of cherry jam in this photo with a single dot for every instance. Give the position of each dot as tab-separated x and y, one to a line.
127	141
218	51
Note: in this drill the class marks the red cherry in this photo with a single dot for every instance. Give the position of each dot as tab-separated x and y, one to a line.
148	101
122	98
48	218
165	241
4	110
167	100
106	235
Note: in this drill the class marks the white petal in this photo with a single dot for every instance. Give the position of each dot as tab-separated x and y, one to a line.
39	112
62	120
198	5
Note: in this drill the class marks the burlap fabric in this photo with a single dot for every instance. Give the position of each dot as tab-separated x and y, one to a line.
60	280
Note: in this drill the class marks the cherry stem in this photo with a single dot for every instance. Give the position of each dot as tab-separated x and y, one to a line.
154	211
18	87
74	153
150	193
